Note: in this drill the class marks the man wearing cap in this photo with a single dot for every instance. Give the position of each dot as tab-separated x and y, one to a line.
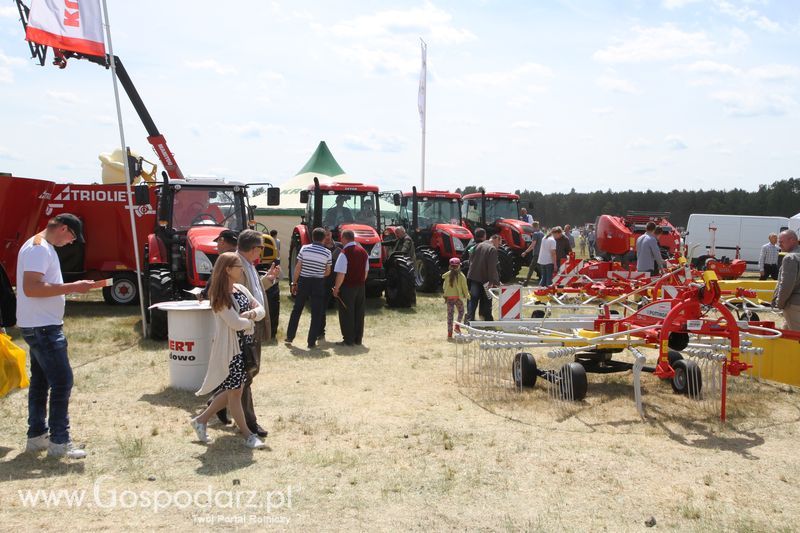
352	267
40	317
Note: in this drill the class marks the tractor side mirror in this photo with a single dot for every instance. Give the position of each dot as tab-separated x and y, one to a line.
273	196
397	199
303	197
141	194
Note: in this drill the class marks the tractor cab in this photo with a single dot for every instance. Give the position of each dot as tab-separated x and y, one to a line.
356	207
181	253
433	219
498	213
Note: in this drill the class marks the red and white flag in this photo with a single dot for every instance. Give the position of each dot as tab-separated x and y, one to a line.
75	25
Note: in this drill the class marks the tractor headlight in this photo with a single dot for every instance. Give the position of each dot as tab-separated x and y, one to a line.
202	263
458	246
375	253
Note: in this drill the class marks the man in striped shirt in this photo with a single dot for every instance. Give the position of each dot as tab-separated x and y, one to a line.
308	283
768	260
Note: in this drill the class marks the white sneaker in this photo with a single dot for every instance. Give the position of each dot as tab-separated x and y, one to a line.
38	444
67	450
254	442
200	429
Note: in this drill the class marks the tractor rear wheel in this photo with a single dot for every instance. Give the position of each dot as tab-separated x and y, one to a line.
687	379
524	371
428	275
123	291
160	290
400	284
572	382
505	264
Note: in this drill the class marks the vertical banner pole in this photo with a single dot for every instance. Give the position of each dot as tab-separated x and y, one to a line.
422	101
135	243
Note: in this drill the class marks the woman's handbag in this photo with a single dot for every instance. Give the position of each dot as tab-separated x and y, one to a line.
249	358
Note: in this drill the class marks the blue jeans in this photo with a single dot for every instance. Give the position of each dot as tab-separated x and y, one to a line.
308	289
478	300
546	275
50	373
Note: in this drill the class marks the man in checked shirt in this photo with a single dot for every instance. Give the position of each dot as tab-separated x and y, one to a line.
768	260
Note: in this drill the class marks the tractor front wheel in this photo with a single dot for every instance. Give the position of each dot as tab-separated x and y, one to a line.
428	276
160	290
505	264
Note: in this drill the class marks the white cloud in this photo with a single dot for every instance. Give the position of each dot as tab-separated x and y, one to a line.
7	154
752	102
254	130
9	12
7	65
611	83
64	97
524	125
774	73
603	110
663	43
387	42
375	142
677	4
212	65
745	13
674	142
533	75
711	67
638	144
434	24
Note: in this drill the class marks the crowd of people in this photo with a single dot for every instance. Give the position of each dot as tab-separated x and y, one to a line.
245	304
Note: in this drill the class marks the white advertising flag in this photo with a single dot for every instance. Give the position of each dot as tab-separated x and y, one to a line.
75	25
423	77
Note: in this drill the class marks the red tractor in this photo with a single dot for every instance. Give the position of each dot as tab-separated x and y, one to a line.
355	206
498	213
433	220
616	235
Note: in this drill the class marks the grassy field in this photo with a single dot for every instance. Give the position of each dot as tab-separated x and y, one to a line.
383	438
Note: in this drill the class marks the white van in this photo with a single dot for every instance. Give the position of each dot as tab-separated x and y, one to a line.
749	233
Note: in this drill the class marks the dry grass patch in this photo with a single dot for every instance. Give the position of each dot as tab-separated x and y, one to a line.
382	438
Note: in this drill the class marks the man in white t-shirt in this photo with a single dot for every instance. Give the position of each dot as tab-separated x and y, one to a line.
547	256
40	317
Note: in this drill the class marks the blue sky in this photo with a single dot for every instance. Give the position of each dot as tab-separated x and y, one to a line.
546	96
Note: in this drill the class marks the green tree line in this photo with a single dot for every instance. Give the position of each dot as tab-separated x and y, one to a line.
780	198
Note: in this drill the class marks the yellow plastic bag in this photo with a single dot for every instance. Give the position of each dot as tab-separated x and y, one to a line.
12	366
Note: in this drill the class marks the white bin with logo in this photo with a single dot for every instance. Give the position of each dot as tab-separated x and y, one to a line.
191	329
